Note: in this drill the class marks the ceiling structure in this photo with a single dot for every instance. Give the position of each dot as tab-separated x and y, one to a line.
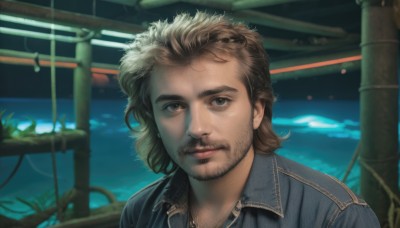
288	26
303	37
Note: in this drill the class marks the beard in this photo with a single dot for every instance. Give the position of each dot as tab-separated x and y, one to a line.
222	171
238	151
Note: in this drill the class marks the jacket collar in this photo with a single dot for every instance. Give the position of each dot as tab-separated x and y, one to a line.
262	189
175	192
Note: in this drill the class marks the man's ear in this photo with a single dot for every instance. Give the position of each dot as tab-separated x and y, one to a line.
258	113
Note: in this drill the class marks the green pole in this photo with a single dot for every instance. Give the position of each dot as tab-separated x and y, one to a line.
82	97
379	104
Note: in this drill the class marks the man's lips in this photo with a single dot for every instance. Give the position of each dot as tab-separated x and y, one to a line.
202	153
201	150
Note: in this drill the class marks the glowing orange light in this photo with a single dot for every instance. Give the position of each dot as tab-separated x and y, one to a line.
28	61
6	59
100	80
58	64
317	64
104	71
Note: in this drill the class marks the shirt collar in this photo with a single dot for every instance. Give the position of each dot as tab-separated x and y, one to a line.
175	192
262	189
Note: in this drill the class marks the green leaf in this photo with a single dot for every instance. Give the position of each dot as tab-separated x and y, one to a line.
30	130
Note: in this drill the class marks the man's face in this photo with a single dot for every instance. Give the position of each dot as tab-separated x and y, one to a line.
204	116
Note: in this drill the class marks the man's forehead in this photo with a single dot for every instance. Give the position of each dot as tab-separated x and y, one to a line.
184	62
200	75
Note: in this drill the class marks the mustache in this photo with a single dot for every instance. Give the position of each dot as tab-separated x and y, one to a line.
202	144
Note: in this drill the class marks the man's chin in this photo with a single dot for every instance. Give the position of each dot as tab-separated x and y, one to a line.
217	174
206	178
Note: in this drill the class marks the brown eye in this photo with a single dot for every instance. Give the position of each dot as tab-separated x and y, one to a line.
220	101
173	107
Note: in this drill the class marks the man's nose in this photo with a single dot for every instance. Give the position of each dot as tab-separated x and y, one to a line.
198	122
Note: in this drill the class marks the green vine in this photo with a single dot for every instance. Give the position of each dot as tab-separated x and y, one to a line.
394	211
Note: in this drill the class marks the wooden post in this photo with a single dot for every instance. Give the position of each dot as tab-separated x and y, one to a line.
379	103
82	97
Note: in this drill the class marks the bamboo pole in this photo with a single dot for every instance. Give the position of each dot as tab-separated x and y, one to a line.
106	220
270	43
149	4
317	65
82	97
219	4
247	4
66	18
79	20
313	59
379	104
30	55
42	57
256	17
40	35
273	21
275	65
318	71
42	143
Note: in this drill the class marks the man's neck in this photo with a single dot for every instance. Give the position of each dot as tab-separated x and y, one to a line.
224	190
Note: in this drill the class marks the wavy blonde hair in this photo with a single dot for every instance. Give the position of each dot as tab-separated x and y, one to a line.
178	43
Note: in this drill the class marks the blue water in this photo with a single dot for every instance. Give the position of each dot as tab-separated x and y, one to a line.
323	135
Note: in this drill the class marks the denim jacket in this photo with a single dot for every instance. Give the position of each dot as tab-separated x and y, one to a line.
278	193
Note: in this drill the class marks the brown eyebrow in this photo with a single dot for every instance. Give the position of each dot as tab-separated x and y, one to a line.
210	92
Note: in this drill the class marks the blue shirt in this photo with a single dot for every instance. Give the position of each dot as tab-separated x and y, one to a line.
278	193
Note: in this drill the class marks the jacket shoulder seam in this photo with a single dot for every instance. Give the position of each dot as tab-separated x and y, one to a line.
341	204
353	196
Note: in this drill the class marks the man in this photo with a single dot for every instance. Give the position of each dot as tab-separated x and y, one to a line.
201	90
